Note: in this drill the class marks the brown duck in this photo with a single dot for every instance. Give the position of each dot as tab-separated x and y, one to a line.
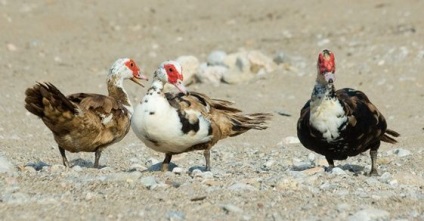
86	122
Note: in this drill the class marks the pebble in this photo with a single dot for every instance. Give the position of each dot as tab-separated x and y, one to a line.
402	152
11	47
385	177
57	168
137	167
216	58
338	171
312	158
175	215
291	140
241	186
6	166
279	58
178	170
211	74
77	168
370	214
300	165
267	165
149	182
151	161
259	61
230	208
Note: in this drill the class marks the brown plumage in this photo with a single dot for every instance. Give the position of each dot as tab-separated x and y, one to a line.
182	122
86	122
342	123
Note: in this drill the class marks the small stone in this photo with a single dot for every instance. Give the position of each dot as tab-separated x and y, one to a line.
370	215
312	158
11	47
230	208
57	168
259	61
267	165
211	74
89	196
149	182
177	170
313	170
77	168
402	152
287	183
30	170
6	166
338	171
385	177
279	57
137	167
216	58
151	161
241	186
175	215
299	165
196	173
393	183
291	140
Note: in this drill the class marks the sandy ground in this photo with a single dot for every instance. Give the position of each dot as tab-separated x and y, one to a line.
379	49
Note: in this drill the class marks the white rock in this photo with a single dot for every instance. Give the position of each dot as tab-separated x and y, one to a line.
385	177
216	58
299	165
232	208
57	168
177	170
175	215
6	166
402	152
211	74
137	167
393	183
151	161
241	186
238	68
190	65
291	140
149	182
11	47
312	158
267	165
279	58
338	171
77	168
258	60
370	214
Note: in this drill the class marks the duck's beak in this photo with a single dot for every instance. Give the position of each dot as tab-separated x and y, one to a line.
180	86
138	77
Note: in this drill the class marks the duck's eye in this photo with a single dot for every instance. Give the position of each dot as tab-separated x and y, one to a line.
132	64
171	70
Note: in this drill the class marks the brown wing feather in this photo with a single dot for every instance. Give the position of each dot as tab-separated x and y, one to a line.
225	119
76	120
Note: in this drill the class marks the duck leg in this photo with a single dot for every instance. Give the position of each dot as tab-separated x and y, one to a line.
207	154
166	161
373	154
97	155
330	164
64	159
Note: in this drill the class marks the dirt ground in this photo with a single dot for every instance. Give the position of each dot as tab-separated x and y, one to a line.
379	48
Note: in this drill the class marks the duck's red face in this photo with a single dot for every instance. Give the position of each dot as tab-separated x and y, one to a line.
135	72
174	72
326	65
